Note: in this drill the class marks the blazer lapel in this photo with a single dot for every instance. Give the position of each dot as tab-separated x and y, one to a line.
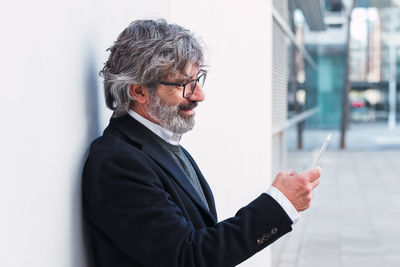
139	134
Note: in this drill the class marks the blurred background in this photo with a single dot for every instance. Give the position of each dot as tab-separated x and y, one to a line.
348	75
283	74
344	79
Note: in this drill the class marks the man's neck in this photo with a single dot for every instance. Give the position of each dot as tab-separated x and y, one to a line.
140	110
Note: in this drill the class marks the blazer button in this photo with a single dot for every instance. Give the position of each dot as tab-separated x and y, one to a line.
274	230
260	241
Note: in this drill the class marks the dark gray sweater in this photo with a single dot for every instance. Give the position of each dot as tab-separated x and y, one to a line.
182	160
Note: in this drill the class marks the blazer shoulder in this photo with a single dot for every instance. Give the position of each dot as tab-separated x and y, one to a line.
112	149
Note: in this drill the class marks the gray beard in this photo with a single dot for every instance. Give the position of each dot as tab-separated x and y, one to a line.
168	116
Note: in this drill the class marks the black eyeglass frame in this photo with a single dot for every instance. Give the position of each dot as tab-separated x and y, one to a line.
203	73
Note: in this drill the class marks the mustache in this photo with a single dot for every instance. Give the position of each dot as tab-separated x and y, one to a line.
188	106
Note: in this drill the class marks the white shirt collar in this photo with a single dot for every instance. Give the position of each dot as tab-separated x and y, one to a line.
166	135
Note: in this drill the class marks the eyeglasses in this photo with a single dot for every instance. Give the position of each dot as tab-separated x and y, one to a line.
190	86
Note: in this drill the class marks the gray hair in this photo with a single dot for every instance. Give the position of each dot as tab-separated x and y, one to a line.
144	53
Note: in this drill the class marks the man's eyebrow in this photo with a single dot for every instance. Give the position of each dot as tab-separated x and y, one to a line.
184	80
181	80
200	72
188	78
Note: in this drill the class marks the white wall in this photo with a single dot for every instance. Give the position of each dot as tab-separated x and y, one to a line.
52	107
51	52
231	141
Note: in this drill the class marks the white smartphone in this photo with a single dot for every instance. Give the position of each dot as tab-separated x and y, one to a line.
321	151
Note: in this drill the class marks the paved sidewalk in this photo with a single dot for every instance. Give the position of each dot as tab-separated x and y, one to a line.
355	215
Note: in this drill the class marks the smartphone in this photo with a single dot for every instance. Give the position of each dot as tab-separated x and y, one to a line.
321	151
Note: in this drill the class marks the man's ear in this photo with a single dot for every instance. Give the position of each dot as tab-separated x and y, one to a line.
140	93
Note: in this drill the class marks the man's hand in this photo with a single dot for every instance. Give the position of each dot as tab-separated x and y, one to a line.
298	188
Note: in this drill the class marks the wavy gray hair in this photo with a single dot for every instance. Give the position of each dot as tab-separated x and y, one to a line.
144	53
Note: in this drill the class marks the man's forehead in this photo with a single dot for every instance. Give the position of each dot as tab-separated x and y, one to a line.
191	71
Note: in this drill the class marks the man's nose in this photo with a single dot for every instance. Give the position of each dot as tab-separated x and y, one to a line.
198	94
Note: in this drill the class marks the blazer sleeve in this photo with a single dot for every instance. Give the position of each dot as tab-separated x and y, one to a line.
129	203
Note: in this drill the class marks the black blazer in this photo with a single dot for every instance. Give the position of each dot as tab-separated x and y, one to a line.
143	211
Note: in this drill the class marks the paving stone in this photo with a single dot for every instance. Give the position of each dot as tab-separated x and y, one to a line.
355	215
361	260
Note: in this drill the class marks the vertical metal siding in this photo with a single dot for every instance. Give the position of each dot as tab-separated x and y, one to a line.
279	87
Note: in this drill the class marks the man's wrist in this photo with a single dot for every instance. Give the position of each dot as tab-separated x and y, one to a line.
284	203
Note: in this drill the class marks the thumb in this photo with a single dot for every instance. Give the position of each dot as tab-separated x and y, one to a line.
313	174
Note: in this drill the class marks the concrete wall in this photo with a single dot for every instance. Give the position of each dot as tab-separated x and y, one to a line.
231	141
52	107
51	52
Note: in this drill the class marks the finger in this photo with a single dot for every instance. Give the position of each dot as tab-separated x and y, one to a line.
315	183
313	174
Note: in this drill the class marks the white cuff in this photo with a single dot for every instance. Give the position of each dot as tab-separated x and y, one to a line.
284	202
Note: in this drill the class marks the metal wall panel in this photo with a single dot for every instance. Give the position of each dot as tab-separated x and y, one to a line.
279	87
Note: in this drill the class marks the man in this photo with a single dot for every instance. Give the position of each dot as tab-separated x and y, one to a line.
145	199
